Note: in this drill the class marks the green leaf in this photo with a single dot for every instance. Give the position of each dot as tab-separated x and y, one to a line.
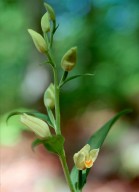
55	144
74	77
35	114
13	114
74	177
96	141
41	116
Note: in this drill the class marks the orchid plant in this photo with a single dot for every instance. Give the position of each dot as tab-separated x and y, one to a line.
40	123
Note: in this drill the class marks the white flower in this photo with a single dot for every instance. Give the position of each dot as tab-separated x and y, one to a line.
85	158
38	41
38	126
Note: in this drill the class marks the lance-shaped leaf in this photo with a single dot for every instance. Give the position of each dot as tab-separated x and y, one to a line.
51	117
96	141
35	114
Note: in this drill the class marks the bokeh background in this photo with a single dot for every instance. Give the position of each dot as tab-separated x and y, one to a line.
107	35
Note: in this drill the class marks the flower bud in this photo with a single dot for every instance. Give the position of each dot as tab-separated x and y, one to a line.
38	41
49	96
50	11
69	59
45	23
85	158
38	126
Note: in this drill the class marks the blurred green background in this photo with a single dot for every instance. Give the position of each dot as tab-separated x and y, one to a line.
107	35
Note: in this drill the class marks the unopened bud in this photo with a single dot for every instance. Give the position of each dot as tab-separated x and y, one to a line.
38	126
45	23
69	59
49	96
38	41
50	11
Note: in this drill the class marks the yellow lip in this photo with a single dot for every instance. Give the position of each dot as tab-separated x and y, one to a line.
89	163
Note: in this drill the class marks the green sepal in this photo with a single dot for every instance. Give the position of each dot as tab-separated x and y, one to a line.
50	11
74	77
53	18
96	141
35	114
51	117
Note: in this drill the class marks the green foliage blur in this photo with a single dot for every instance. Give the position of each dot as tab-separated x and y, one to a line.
106	34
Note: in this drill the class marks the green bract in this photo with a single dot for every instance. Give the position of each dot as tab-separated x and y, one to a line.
38	126
50	11
38	41
85	157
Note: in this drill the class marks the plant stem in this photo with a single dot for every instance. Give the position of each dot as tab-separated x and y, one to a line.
57	107
58	129
80	180
66	171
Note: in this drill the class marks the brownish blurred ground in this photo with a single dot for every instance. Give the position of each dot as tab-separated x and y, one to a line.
22	170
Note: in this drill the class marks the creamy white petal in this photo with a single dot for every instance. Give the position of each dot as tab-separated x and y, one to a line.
38	126
93	154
